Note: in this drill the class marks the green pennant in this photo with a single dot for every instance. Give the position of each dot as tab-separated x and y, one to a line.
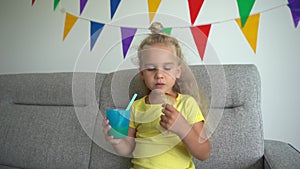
245	7
56	2
167	31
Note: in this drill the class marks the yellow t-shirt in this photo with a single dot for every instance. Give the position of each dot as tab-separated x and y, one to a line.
155	147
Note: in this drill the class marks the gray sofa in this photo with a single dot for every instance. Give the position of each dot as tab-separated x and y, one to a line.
53	120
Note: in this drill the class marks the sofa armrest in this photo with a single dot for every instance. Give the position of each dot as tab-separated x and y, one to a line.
280	155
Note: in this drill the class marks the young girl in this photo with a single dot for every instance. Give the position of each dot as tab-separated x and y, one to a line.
166	127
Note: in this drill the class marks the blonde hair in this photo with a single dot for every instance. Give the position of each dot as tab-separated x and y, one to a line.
157	36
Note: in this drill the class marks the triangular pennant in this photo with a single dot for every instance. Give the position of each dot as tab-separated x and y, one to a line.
245	7
194	7
32	2
152	8
200	35
167	31
127	37
69	23
250	30
96	29
113	7
82	5
295	11
56	2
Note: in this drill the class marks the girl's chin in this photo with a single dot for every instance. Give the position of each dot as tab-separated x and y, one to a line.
160	89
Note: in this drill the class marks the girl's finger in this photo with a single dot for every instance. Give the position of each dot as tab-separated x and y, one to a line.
105	122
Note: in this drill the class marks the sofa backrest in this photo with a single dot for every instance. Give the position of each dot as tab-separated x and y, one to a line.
237	142
39	124
231	95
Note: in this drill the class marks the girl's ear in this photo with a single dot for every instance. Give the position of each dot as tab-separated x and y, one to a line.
142	75
178	71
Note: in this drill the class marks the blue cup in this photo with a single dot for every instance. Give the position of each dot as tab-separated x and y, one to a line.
119	122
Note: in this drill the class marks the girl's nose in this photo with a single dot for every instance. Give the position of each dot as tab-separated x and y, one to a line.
159	74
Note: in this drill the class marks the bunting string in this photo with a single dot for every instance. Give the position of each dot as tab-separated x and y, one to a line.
62	9
247	24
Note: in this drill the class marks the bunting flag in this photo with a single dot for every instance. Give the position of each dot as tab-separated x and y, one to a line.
152	8
194	7
294	6
200	35
113	7
82	5
245	7
167	31
96	29
250	30
248	24
69	23
127	37
56	2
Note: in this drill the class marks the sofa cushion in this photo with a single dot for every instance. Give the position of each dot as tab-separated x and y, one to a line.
42	137
46	119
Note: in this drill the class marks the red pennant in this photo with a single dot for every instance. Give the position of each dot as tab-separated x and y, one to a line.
32	2
200	35
194	6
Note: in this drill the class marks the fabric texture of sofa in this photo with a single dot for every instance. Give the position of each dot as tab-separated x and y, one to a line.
53	120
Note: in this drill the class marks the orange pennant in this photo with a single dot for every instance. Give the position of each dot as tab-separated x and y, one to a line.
152	7
69	23
250	29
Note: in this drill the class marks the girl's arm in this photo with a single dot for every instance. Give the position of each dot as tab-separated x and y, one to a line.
124	147
197	142
193	136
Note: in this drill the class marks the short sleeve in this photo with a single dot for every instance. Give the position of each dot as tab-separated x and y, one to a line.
192	111
132	123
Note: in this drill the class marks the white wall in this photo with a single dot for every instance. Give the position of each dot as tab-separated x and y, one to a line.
31	41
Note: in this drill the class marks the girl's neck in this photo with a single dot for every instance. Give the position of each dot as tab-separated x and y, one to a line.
173	94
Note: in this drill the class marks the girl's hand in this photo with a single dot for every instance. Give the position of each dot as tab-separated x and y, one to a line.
173	121
106	128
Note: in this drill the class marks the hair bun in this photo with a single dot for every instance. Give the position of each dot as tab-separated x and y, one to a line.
156	27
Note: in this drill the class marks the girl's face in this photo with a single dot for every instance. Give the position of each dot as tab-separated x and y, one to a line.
160	67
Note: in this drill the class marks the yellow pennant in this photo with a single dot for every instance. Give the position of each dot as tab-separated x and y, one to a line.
69	23
152	7
250	30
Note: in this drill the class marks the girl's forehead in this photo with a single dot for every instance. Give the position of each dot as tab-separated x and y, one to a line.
159	53
161	46
158	58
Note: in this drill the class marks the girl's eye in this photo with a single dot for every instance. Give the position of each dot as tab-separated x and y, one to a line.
150	68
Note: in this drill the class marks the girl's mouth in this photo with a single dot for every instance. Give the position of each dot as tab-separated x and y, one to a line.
159	85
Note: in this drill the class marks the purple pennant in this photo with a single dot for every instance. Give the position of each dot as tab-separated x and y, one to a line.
127	37
82	5
295	10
